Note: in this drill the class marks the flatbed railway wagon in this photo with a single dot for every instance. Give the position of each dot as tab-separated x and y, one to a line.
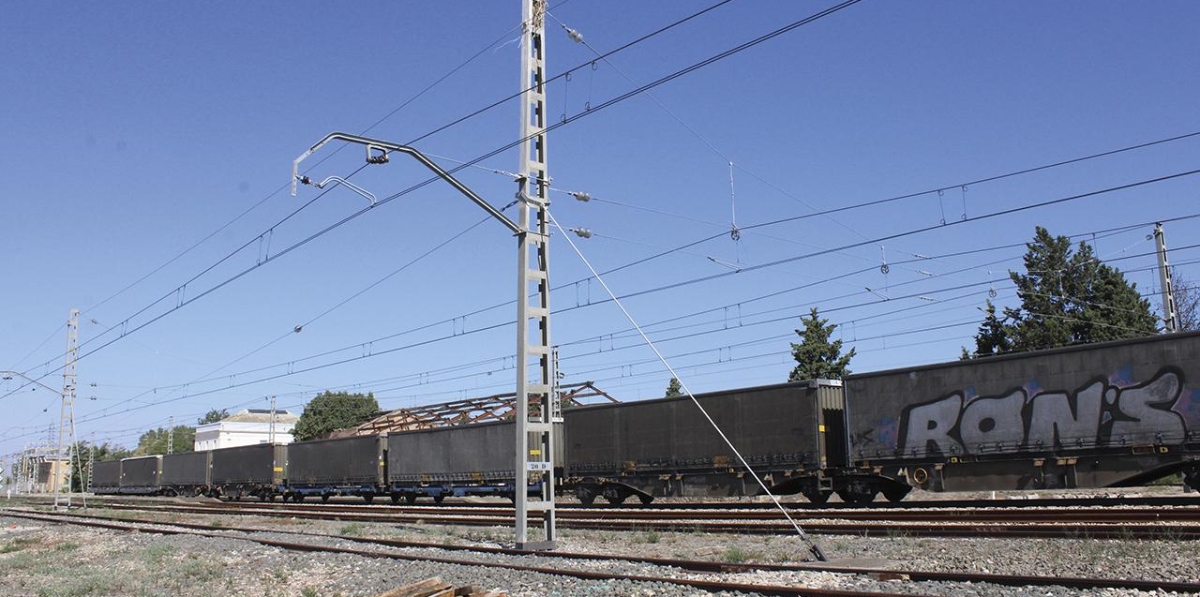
106	477
141	475
792	434
257	470
1103	415
465	460
344	466
185	473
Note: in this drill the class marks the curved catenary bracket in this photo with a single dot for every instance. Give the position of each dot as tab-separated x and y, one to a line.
377	154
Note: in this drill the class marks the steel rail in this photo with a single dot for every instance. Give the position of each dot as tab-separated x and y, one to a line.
1114	515
690	565
928	529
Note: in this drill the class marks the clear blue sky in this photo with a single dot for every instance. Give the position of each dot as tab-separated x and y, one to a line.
132	131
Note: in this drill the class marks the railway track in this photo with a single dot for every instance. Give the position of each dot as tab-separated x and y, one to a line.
1181	523
709	571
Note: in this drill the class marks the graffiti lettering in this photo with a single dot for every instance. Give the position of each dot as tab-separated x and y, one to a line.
1097	414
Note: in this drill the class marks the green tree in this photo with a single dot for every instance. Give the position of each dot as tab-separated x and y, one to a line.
1067	297
816	356
674	388
331	411
994	336
156	441
1187	302
89	453
213	416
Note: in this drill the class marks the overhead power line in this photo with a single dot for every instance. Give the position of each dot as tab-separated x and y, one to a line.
291	364
679	73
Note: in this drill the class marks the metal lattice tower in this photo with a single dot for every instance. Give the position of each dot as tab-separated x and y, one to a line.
66	424
537	408
90	467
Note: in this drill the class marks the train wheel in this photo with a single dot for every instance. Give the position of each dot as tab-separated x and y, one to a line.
299	497
410	499
1191	478
615	500
324	497
368	498
396	498
896	494
856	497
587	498
439	498
818	497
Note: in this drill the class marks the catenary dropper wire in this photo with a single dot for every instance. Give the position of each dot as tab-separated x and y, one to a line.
812	546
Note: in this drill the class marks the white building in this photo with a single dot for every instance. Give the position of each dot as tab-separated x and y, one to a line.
251	426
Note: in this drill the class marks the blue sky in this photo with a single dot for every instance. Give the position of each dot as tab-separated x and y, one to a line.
132	132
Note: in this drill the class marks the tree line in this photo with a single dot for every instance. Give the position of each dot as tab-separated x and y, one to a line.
1067	296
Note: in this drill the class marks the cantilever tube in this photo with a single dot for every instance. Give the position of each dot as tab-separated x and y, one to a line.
420	157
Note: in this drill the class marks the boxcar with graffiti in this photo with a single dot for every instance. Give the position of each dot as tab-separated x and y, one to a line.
1113	414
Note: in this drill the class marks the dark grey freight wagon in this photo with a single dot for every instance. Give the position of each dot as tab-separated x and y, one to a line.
344	466
257	470
106	477
666	446
141	474
1112	414
185	473
473	459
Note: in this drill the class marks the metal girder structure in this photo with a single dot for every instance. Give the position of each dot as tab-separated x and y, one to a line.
497	407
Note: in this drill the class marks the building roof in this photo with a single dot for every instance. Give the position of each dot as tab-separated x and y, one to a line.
261	415
499	407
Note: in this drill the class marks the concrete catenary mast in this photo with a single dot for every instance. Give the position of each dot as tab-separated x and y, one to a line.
537	407
1170	318
66	424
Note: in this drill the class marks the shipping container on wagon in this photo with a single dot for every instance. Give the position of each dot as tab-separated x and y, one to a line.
257	470
186	472
141	474
1115	413
475	459
343	466
667	447
106	476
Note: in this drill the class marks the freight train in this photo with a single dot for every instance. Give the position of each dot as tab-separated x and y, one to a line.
1113	414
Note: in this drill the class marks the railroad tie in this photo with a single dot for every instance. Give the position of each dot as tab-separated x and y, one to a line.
435	587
